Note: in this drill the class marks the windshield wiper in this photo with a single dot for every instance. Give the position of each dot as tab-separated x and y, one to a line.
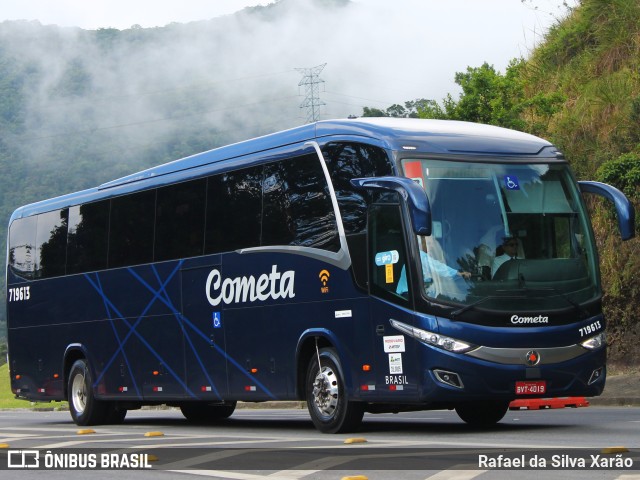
577	307
473	305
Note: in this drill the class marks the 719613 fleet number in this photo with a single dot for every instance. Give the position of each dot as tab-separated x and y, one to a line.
19	294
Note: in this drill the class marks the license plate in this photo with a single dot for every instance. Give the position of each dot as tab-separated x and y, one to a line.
531	388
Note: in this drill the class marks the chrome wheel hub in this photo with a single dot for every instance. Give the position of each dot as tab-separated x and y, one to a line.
325	393
79	394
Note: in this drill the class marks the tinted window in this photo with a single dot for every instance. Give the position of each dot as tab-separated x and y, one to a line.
180	220
387	257
22	246
51	243
297	205
131	231
353	160
234	210
87	239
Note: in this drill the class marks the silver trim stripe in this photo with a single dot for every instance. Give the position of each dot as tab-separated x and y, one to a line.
518	356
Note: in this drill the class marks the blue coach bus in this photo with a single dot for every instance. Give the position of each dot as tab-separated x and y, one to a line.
365	265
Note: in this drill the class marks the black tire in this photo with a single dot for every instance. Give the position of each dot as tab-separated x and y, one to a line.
329	407
198	412
482	414
85	409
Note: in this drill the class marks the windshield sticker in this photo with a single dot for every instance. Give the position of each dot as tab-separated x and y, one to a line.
387	258
511	182
388	273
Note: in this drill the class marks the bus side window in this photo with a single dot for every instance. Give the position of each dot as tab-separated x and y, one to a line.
87	241
345	161
51	243
131	229
180	213
234	210
387	253
297	205
22	246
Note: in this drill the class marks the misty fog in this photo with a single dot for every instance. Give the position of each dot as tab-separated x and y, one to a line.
108	102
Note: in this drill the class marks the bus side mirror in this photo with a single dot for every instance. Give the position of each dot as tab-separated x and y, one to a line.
410	191
624	208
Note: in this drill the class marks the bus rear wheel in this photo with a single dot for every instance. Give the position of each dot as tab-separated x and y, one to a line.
329	407
85	409
205	412
482	414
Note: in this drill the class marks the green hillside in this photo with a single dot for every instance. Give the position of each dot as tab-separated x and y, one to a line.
592	60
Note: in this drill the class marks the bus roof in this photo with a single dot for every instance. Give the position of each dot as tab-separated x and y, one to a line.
427	136
418	135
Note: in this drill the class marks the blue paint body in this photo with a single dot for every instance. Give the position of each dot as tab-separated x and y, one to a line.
151	333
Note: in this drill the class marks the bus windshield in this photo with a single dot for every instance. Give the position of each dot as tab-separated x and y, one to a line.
505	231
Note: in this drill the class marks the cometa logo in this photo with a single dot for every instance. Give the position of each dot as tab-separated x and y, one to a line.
249	289
539	319
324	278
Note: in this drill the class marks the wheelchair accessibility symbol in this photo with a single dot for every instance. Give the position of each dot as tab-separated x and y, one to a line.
217	320
511	182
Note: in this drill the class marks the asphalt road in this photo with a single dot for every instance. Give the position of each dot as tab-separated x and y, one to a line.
256	444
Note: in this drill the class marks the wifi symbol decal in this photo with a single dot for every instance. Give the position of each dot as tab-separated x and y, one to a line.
324	278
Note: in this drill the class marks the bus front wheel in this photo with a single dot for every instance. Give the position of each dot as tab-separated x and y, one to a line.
327	401
482	414
85	409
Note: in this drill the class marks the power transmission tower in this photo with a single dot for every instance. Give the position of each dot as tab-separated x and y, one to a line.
311	82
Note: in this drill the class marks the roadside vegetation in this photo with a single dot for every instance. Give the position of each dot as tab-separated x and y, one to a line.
580	89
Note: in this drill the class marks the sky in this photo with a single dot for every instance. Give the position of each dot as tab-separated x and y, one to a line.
122	14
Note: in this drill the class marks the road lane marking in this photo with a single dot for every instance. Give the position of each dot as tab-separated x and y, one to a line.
458	472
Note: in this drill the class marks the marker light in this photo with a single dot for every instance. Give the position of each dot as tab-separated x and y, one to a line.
433	339
596	342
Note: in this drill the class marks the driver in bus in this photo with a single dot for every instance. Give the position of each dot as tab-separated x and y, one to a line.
508	250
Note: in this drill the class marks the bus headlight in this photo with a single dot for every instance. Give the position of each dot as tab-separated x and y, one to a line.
434	339
596	342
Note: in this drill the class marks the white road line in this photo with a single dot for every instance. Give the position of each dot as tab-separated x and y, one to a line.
457	473
207	444
293	474
38	429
